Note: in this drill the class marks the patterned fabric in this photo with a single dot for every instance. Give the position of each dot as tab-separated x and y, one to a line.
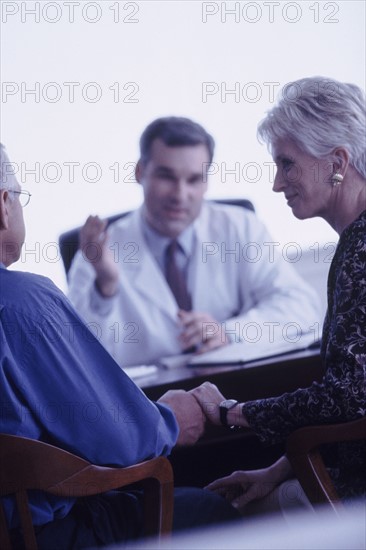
340	396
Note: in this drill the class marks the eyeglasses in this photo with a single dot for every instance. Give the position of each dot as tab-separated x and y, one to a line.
24	197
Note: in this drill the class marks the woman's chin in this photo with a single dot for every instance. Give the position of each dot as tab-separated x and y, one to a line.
299	213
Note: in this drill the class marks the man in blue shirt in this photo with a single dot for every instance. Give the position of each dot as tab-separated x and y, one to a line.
59	385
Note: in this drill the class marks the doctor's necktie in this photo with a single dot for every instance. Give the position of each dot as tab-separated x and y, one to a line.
175	277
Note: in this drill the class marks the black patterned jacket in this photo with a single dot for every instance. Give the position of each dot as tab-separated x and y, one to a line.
341	395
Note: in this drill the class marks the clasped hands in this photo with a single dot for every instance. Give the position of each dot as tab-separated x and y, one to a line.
192	409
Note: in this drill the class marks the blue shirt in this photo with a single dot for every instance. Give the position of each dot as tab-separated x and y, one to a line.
59	385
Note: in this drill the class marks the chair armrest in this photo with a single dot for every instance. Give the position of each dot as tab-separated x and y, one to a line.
310	437
302	451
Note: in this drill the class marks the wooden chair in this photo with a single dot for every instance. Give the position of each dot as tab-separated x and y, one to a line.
28	464
69	241
302	450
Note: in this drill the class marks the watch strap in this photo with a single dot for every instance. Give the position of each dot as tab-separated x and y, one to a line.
224	408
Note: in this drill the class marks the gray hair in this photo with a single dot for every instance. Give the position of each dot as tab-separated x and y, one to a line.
319	114
7	172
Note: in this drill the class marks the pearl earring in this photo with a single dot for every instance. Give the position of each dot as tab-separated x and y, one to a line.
337	179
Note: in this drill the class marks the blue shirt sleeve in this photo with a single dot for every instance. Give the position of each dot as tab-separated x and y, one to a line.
59	385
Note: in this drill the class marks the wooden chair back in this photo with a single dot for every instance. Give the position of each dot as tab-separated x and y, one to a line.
27	464
303	452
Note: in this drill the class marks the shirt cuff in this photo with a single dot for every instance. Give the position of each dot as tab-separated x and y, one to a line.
102	305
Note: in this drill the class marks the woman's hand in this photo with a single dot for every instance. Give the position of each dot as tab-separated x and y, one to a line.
242	487
209	398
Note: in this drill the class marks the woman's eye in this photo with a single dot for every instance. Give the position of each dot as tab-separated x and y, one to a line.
287	165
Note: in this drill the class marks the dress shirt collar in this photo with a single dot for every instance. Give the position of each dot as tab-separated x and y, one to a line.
158	243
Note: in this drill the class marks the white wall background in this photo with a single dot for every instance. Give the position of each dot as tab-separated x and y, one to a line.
131	62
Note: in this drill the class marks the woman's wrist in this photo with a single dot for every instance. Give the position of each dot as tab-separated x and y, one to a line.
235	416
282	469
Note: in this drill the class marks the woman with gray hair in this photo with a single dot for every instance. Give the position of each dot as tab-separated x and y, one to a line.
316	134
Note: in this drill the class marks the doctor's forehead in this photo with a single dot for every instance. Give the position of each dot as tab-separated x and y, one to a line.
178	155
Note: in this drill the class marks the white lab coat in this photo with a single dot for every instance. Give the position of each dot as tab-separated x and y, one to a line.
239	278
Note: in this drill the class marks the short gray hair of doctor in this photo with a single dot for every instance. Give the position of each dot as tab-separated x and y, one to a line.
319	114
7	173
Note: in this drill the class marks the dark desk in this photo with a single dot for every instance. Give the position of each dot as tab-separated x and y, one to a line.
222	451
264	378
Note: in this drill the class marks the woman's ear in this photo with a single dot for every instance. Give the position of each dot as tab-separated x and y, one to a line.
340	158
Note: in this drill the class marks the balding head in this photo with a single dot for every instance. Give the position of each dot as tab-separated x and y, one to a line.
12	229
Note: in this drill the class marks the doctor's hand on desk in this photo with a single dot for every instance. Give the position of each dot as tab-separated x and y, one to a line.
93	243
200	330
188	414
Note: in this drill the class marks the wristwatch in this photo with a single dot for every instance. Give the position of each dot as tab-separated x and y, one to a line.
224	407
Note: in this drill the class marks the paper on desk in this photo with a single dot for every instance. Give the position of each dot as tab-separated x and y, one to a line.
244	352
176	361
140	370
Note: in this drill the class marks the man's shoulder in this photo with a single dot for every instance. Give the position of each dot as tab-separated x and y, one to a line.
219	205
219	221
220	213
125	222
23	278
21	287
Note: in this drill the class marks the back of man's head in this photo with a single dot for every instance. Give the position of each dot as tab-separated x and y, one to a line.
174	132
7	172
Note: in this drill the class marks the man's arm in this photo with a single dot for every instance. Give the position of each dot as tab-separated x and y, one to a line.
261	296
95	308
188	414
276	302
67	388
93	244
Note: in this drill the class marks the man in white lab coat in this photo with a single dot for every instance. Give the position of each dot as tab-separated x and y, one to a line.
238	288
